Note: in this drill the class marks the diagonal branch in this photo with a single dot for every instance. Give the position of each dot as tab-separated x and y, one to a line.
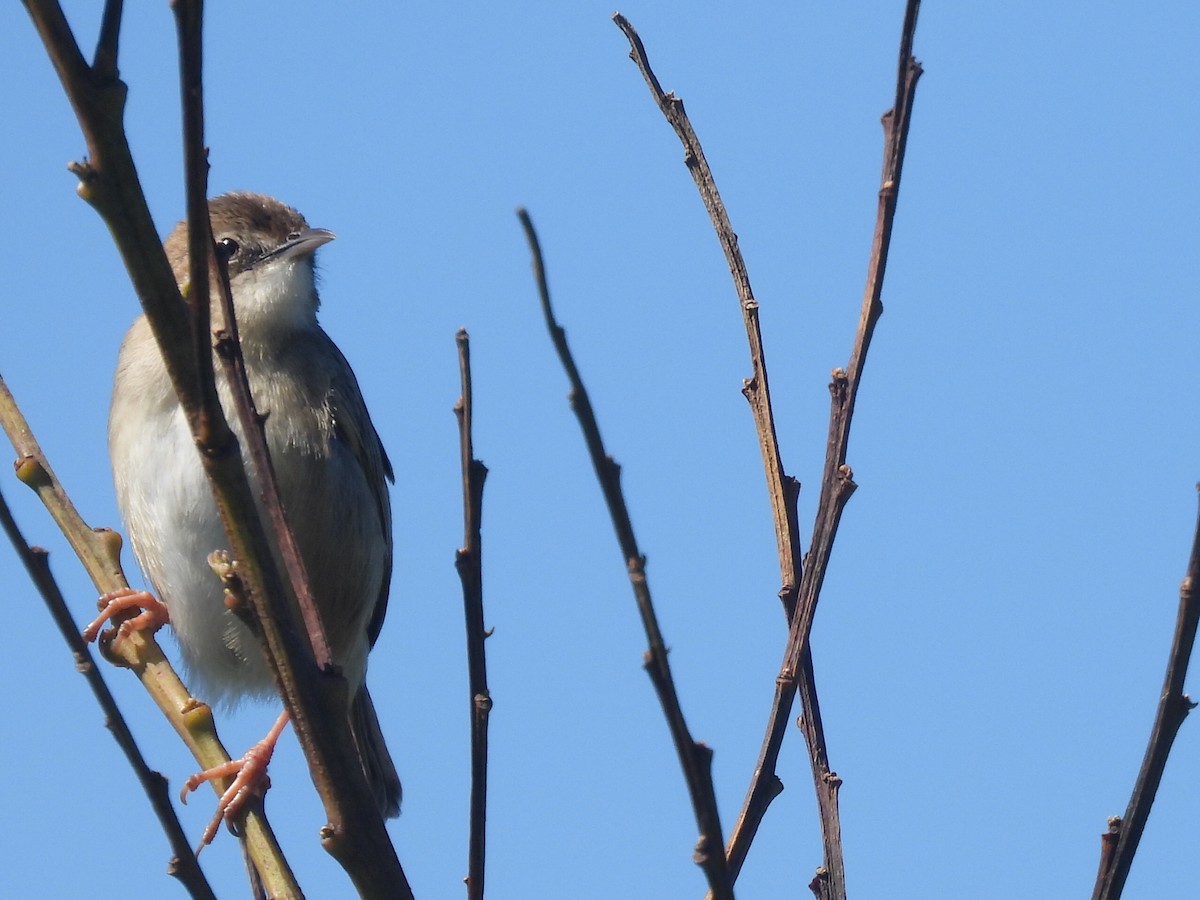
183	865
1173	707
782	489
209	425
468	560
694	757
837	483
99	550
799	591
314	693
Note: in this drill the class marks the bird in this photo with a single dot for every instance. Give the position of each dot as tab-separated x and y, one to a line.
330	464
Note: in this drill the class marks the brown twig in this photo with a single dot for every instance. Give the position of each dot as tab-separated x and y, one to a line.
468	560
695	758
1173	707
183	865
782	489
837	482
797	674
314	693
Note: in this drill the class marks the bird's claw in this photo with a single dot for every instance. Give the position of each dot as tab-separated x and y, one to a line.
152	616
250	779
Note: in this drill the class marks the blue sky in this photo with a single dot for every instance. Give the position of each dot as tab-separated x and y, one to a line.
992	635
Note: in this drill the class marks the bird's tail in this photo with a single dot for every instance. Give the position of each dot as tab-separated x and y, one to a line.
373	751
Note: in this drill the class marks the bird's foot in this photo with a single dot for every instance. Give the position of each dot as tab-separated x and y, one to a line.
153	614
250	779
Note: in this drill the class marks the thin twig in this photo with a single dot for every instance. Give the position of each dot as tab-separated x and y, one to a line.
837	482
694	757
468	560
1173	707
836	485
229	350
183	865
782	489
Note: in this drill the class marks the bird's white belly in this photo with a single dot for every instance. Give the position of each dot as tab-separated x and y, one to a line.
222	657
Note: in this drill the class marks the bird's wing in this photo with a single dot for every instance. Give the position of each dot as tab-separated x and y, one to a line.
352	426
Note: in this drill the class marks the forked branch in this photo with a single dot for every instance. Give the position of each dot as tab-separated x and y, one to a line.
837	485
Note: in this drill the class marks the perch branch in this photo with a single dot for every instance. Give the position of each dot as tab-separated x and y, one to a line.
100	550
108	181
315	695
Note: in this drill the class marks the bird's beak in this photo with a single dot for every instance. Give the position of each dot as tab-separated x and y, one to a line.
301	244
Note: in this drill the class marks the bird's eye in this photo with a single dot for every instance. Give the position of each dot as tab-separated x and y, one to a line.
228	247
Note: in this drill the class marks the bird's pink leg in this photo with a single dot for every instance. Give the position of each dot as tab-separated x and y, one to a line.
249	779
152	617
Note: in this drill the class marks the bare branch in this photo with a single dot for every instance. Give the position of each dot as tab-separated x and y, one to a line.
315	694
694	757
468	560
837	482
782	488
99	550
104	62
783	492
210	427
183	864
1173	707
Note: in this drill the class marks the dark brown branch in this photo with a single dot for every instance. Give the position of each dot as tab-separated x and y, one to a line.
206	418
104	62
1173	707
210	427
314	693
468	560
782	489
694	757
837	482
183	864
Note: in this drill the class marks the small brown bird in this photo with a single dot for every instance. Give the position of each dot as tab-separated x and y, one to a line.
330	464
